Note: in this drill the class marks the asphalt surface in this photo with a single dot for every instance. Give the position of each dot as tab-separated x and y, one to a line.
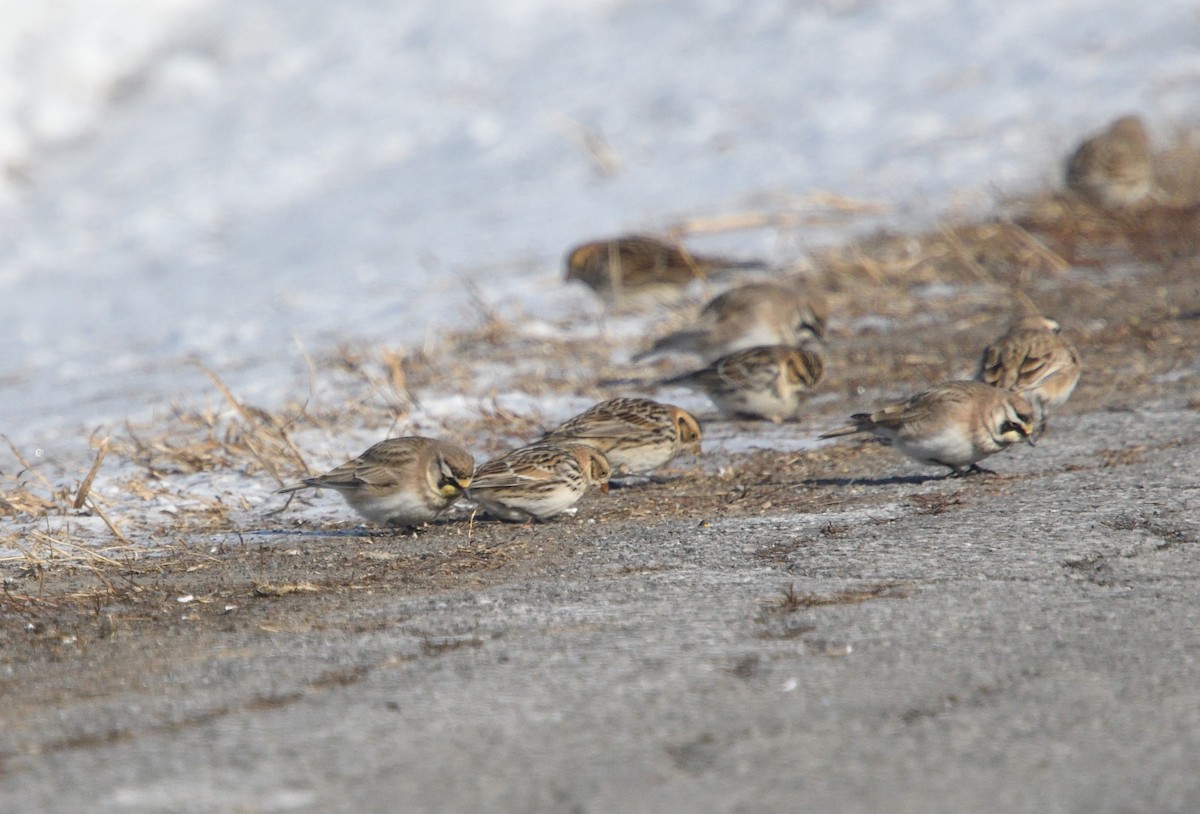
1023	643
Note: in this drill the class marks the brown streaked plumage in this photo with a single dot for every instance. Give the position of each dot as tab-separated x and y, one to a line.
642	267
401	481
955	424
770	381
747	316
538	482
636	435
1113	169
1033	359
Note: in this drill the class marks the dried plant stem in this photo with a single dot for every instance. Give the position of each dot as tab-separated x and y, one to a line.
86	485
94	506
1039	248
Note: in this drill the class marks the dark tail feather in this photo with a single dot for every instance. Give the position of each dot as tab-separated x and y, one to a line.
733	264
859	422
628	382
683	378
676	341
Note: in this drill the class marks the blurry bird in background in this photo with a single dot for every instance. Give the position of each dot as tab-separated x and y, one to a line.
747	316
1113	169
636	268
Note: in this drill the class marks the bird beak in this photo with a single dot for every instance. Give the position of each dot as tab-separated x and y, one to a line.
604	487
455	488
1031	439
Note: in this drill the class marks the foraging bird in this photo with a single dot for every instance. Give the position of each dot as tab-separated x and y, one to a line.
636	435
1113	169
747	316
770	381
1032	359
538	482
642	267
401	481
955	424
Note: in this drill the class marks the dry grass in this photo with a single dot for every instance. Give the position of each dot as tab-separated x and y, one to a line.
792	600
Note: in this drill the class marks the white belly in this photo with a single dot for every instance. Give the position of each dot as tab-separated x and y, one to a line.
509	504
399	508
764	404
949	446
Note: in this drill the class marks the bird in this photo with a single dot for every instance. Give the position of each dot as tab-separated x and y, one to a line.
747	316
636	435
955	424
768	381
404	481
1032	359
640	267
539	481
1113	169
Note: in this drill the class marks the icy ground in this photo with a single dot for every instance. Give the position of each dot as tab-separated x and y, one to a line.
243	182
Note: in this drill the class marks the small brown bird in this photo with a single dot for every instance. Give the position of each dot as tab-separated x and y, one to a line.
1032	359
639	267
747	316
635	435
538	482
401	481
955	424
768	382
1113	169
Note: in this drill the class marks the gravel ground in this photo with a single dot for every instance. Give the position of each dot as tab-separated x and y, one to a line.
1022	642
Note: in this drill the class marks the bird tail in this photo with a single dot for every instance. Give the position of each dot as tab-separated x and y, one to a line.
292	487
680	340
733	263
628	382
683	378
859	422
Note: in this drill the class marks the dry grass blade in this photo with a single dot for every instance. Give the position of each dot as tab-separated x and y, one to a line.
394	366
734	221
842	203
46	548
873	269
108	522
269	589
760	219
85	486
603	156
312	366
1040	249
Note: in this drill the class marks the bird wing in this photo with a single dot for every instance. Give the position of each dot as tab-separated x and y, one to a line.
610	426
505	474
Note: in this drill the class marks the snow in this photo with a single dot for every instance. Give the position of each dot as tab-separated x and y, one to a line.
232	180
